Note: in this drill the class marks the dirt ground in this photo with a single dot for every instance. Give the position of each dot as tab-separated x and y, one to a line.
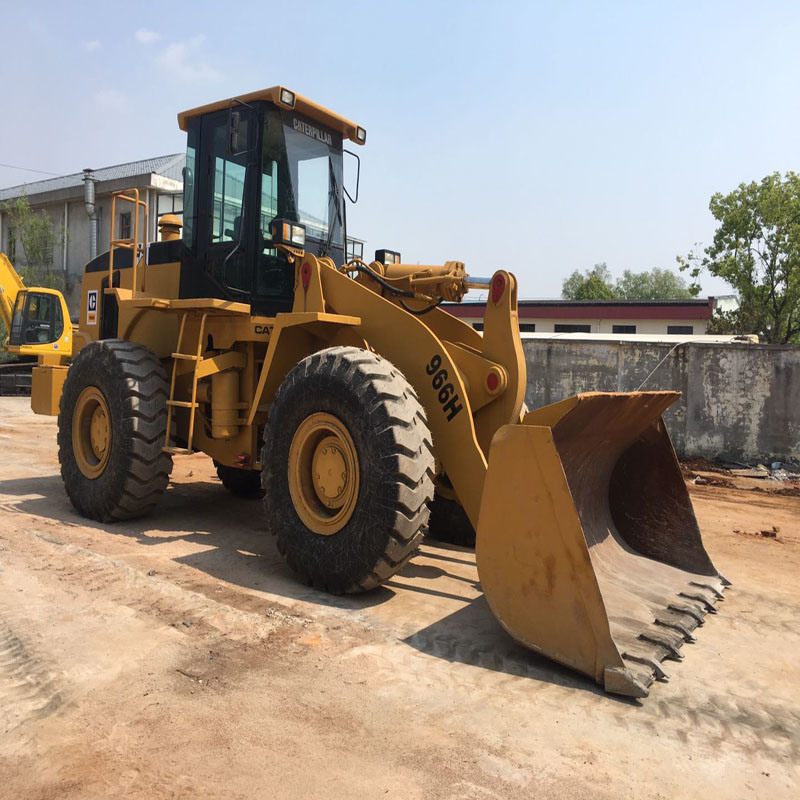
176	657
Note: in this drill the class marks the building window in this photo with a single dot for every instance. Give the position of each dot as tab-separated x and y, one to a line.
355	249
12	244
125	225
564	328
478	326
527	327
623	329
681	329
170	204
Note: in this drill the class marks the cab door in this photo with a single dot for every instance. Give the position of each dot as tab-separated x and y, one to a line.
226	208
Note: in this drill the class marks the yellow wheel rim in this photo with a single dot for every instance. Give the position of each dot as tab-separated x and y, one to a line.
91	432
323	473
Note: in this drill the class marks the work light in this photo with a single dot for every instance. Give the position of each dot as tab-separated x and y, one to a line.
387	256
287	98
361	135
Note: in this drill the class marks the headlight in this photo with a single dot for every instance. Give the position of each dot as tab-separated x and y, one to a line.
361	135
290	233
287	98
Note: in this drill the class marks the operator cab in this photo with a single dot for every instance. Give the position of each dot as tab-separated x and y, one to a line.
270	155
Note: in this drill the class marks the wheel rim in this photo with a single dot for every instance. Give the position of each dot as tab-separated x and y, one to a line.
91	432
323	473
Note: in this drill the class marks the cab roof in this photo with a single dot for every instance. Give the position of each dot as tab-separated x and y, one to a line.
304	106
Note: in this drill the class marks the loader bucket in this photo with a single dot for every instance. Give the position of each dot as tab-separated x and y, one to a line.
588	549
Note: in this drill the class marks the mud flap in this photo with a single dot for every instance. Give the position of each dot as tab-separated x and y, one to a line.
588	549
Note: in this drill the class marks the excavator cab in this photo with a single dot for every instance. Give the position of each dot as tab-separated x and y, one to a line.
36	318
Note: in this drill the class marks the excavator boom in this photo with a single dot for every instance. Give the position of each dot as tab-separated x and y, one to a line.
10	286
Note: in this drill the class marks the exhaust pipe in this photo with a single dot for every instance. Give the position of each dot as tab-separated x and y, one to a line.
91	210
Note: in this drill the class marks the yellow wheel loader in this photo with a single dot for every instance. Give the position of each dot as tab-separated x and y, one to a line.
343	393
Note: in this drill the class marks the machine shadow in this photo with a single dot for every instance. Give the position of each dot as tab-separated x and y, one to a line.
471	635
236	550
234	547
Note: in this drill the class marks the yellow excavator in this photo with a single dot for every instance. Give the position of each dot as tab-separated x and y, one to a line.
364	413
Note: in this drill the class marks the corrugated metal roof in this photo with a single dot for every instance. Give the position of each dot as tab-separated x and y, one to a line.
169	166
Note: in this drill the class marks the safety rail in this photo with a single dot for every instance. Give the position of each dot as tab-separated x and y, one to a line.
133	244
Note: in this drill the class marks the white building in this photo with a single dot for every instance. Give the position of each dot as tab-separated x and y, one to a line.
677	317
160	184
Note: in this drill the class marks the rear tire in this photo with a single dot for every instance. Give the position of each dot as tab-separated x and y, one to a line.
450	523
245	483
111	430
371	427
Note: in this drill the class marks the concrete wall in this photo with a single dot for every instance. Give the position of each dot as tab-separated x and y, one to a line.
739	401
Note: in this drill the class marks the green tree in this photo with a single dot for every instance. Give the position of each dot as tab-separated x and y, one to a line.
655	284
756	249
38	236
594	284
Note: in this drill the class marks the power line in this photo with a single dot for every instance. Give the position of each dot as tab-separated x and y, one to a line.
28	169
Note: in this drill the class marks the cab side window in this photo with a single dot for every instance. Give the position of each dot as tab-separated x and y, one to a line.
37	319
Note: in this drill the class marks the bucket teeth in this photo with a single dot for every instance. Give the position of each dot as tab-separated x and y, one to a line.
648	661
620	680
665	641
676	626
713	589
694	612
709	605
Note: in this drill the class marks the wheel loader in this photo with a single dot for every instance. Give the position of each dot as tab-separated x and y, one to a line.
365	414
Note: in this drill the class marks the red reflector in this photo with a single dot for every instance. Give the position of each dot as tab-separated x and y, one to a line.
492	381
305	275
498	287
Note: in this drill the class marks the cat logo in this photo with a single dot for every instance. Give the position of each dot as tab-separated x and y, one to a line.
91	307
262	329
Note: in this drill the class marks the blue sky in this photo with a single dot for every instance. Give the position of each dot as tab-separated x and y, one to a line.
540	137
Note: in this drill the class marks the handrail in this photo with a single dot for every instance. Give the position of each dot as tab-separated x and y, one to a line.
132	244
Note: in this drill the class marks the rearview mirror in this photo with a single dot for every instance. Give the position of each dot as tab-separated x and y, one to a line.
353	198
233	132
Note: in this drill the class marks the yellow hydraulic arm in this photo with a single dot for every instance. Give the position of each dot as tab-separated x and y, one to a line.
10	286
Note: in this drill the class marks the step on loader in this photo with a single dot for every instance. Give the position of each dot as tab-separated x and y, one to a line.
346	395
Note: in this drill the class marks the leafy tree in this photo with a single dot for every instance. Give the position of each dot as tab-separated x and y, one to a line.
656	284
38	236
756	249
594	284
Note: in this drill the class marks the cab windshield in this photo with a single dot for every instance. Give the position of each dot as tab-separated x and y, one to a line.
301	180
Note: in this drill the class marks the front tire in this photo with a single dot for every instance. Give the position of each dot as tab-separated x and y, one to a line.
348	470
111	430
